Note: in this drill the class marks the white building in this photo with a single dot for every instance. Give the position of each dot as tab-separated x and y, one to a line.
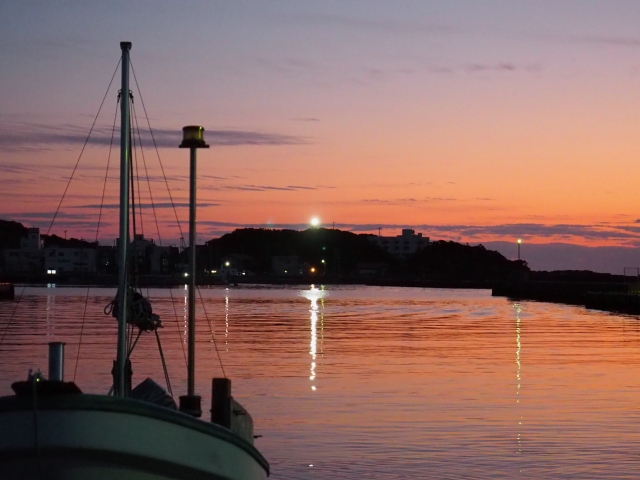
29	257
32	257
403	245
59	260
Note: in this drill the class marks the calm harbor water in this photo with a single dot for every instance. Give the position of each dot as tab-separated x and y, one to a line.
382	383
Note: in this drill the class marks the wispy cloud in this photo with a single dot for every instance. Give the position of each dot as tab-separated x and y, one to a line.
381	201
539	232
265	188
613	40
79	221
377	25
38	136
407	200
159	205
413	27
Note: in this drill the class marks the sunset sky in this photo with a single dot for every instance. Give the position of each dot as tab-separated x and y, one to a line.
476	121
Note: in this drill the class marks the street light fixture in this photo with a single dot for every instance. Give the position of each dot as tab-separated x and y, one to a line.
519	243
193	138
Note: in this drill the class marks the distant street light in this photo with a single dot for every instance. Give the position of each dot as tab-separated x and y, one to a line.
519	243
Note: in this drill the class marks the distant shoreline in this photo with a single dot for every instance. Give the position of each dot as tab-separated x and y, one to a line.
172	281
609	294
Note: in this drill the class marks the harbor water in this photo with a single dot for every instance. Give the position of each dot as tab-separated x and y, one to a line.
349	382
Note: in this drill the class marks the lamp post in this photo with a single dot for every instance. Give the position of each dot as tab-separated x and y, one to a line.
519	243
192	138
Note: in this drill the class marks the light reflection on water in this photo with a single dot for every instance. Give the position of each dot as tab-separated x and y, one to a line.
518	309
313	295
409	383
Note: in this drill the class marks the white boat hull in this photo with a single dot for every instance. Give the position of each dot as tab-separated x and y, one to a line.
79	436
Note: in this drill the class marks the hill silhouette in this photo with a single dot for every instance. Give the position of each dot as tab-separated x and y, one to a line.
11	233
341	250
344	251
346	255
444	260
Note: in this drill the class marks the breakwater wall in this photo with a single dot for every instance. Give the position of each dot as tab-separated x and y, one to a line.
611	297
7	291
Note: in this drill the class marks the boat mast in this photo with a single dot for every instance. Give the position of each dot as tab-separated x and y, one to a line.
123	243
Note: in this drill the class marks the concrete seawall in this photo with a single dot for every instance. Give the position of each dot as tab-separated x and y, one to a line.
611	297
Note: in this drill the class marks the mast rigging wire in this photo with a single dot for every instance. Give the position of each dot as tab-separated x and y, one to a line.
146	171
12	314
164	364
175	312
84	316
134	161
106	173
213	337
83	147
104	187
153	138
132	192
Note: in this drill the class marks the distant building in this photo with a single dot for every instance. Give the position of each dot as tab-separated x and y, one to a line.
288	266
236	264
364	269
33	257
150	258
403	245
59	260
29	258
106	259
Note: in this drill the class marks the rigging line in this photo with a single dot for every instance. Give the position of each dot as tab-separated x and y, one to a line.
213	337
178	326
131	331
36	428
134	272
84	316
164	364
128	339
132	192
13	314
83	147
153	138
135	161
106	173
134	343
146	171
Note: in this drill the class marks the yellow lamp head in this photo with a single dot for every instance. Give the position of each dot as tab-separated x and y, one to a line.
193	137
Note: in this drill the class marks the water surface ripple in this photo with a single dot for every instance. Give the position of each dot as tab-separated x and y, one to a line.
382	383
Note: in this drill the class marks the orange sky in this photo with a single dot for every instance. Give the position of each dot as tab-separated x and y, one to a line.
471	121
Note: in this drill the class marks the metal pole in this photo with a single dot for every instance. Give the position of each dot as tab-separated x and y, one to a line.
124	223
192	276
56	361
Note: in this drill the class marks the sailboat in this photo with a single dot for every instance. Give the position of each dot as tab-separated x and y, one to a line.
51	430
